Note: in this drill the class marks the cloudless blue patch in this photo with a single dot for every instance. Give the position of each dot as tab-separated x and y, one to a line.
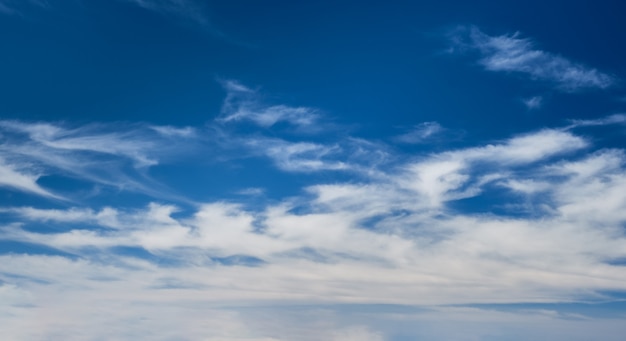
240	260
141	253
17	247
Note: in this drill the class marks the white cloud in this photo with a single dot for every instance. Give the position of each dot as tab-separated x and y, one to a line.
126	298
356	334
299	156
90	139
351	242
533	103
612	119
510	53
107	217
22	180
96	153
391	235
243	104
421	133
174	131
523	149
450	175
251	191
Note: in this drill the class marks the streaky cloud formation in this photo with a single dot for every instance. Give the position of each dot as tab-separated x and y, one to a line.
345	242
612	119
336	179
421	133
127	150
14	7
511	53
554	235
243	104
21	179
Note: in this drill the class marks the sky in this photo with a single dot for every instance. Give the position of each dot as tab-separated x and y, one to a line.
323	170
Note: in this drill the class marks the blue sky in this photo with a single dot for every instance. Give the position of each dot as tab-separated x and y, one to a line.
279	170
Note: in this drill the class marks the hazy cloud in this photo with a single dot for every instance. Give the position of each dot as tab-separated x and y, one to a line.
244	104
533	103
420	133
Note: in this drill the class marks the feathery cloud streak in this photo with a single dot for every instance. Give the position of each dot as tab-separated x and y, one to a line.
511	53
12	7
188	9
111	154
243	104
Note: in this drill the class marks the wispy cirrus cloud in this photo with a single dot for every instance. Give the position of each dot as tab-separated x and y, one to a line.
294	138
18	176
13	7
243	104
609	120
185	8
420	133
512	53
53	148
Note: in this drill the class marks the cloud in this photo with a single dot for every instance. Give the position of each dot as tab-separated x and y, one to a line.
420	133
533	103
243	104
34	149
511	53
170	131
86	139
251	191
278	131
299	156
350	241
12	7
184	8
22	180
391	239
107	216
608	120
403	232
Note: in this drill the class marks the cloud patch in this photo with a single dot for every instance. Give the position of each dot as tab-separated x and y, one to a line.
420	133
514	54
30	150
243	104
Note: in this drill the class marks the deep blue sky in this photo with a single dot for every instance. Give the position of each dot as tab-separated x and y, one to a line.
359	61
324	170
